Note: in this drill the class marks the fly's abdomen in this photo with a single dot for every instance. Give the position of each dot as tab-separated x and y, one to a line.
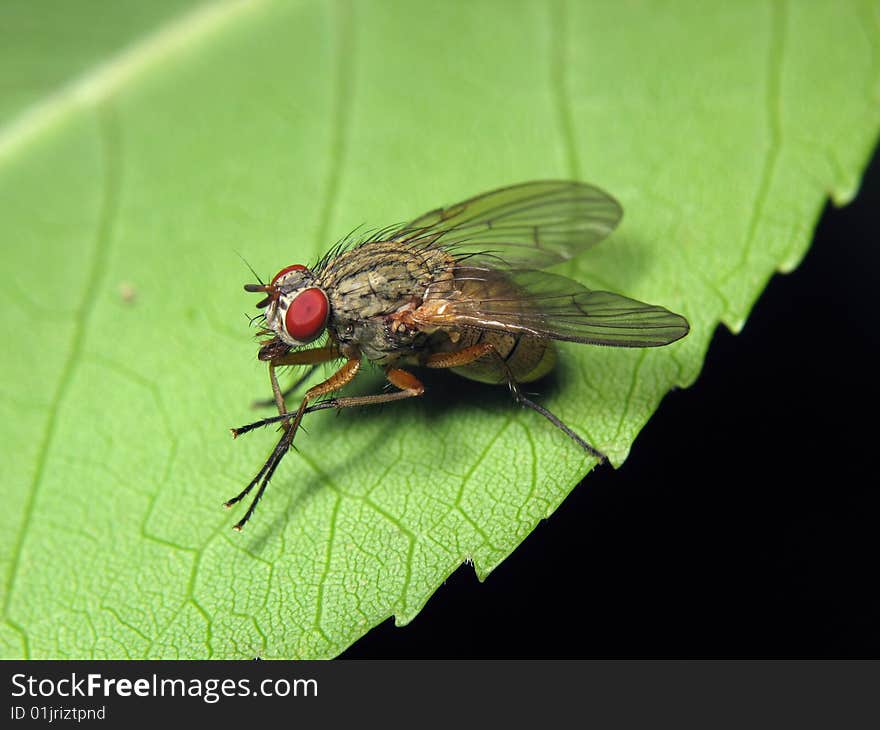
527	357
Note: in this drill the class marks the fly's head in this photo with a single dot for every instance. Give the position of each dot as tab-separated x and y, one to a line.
296	308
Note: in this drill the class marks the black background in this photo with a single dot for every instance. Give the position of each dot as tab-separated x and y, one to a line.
744	522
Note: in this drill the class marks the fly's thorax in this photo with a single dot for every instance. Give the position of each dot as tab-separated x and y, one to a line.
369	284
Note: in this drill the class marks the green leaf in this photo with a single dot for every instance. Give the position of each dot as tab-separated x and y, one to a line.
140	149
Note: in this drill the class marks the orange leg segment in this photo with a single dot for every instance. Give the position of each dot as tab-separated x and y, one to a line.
313	358
459	357
409	387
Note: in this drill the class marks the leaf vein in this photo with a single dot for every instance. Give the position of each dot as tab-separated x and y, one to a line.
629	394
559	84
773	101
109	134
328	557
344	82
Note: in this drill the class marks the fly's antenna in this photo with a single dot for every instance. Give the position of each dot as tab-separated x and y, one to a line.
251	268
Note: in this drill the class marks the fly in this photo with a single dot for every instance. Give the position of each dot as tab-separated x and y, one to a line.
461	288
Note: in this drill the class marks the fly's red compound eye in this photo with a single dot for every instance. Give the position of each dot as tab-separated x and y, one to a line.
307	315
286	269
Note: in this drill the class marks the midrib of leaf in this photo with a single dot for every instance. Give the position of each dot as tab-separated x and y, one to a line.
104	80
343	90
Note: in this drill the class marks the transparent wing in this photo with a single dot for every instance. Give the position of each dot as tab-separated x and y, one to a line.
534	224
549	305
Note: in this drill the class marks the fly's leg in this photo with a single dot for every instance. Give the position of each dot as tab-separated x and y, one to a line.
592	450
312	358
290	425
441	360
475	352
409	386
276	390
266	402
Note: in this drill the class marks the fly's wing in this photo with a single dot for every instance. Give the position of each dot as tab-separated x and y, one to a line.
530	225
549	305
